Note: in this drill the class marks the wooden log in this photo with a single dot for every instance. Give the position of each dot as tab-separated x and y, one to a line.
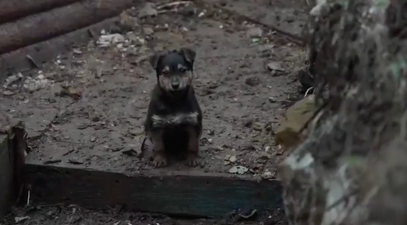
6	174
15	9
187	194
46	25
17	61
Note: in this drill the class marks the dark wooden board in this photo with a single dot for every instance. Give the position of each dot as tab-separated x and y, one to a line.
182	193
6	174
17	61
15	9
43	26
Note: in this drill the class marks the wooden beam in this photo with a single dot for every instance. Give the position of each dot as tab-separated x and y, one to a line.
6	174
15	9
40	27
189	194
17	61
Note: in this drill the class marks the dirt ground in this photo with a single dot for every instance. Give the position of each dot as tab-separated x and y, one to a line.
87	108
61	215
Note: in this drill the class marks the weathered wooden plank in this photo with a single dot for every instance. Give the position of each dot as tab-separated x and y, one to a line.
40	27
17	61
6	174
13	145
15	9
179	193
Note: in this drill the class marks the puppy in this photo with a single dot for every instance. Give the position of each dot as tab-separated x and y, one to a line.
174	118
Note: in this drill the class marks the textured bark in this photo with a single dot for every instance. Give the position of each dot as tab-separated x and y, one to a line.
12	10
351	167
43	26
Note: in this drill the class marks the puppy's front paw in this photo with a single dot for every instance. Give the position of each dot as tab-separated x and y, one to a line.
159	160
192	160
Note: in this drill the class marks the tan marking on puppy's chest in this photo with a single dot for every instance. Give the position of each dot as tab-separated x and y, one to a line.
174	120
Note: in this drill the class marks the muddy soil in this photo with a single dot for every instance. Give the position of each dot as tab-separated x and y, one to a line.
87	108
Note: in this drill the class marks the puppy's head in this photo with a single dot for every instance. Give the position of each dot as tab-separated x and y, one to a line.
174	69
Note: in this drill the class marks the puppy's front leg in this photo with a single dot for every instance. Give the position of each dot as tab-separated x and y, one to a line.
193	146
159	156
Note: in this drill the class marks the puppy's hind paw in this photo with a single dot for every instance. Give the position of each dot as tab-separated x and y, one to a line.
192	160
159	160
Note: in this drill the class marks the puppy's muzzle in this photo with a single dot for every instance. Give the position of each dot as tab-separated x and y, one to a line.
175	83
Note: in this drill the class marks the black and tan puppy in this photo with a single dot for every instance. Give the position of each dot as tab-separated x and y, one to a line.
174	118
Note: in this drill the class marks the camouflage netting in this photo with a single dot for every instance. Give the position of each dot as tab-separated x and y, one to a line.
352	167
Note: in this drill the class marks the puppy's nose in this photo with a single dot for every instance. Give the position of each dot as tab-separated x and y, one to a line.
175	84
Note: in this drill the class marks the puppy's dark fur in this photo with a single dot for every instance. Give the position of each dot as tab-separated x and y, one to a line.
174	118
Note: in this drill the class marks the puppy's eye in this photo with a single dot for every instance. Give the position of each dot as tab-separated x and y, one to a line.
182	70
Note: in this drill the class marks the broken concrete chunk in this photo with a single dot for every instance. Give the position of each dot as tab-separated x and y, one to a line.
287	134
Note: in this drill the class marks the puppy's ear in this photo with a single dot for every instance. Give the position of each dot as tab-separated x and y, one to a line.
154	59
188	54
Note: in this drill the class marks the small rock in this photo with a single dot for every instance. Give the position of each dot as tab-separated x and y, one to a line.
72	92
252	81
254	32
8	93
275	66
92	139
147	11
272	100
83	126
132	150
211	132
233	159
258	126
75	161
148	31
267	175
13	78
238	170
248	123
289	18
77	51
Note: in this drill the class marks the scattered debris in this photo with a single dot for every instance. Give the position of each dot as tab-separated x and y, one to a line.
18	219
252	81
12	79
37	83
238	170
107	40
76	161
72	92
52	161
